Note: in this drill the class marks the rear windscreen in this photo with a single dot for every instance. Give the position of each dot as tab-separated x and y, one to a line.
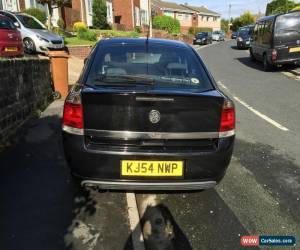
5	24
288	23
168	67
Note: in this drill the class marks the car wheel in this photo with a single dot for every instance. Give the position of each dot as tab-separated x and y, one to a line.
253	59
29	46
267	65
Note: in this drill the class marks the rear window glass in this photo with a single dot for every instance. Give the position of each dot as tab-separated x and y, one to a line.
6	24
167	67
288	23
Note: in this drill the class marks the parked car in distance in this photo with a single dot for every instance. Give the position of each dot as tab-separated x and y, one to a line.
146	114
35	36
243	40
203	38
218	36
10	39
276	40
234	35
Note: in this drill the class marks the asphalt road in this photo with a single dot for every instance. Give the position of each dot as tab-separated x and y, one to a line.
40	207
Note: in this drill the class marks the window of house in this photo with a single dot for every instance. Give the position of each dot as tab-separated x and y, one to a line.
169	13
207	18
144	16
179	16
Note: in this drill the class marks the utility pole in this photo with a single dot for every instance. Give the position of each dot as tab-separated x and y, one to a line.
150	18
229	16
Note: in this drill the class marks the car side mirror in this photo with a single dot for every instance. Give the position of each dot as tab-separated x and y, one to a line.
17	24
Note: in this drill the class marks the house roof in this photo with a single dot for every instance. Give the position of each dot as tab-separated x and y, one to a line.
163	5
185	8
201	10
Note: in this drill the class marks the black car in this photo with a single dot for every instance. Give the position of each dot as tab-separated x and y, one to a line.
234	35
146	114
276	40
244	36
203	38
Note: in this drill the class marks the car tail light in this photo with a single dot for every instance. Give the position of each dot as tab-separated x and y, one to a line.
274	55
227	125
73	114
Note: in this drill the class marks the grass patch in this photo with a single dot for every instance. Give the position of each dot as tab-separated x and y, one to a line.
115	33
76	41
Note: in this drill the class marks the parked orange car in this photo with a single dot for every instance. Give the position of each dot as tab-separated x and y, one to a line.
10	39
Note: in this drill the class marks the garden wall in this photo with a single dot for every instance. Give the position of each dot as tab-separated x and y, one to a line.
25	88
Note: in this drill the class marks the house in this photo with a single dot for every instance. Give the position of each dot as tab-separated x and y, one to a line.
188	16
129	14
206	18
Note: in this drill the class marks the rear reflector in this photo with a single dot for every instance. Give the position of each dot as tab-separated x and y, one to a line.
227	125
274	55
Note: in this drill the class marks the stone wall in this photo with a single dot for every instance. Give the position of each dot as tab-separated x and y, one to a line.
25	88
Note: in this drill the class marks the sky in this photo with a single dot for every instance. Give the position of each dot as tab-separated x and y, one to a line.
222	6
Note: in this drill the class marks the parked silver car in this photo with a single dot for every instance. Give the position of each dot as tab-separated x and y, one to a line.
36	37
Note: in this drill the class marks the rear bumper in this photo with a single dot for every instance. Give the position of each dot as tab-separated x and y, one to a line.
125	185
97	167
290	61
4	53
243	44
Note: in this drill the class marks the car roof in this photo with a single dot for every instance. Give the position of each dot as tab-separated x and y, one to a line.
143	41
266	18
4	17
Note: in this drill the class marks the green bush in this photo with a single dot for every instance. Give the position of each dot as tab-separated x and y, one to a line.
166	23
138	29
61	24
85	34
196	30
37	13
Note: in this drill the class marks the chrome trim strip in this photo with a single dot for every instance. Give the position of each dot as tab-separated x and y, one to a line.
150	185
227	134
74	131
150	135
153	99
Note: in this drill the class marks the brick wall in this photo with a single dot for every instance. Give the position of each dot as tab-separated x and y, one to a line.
25	87
80	51
123	11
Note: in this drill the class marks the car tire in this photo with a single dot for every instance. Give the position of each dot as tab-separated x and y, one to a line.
29	46
252	57
266	64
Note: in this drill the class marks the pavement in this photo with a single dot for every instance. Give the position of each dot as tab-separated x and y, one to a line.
41	208
75	66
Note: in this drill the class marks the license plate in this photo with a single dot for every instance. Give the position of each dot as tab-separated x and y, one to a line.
297	49
11	49
152	168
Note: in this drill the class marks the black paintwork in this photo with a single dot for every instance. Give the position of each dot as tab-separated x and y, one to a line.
202	38
262	46
107	108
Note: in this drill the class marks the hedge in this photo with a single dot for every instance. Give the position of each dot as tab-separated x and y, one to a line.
166	23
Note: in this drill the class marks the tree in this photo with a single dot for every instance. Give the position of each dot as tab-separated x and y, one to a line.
297	8
100	14
246	19
224	24
279	6
52	4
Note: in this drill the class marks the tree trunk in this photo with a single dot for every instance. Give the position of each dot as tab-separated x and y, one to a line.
50	10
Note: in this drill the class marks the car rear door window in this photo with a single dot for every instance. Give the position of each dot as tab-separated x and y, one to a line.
167	67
